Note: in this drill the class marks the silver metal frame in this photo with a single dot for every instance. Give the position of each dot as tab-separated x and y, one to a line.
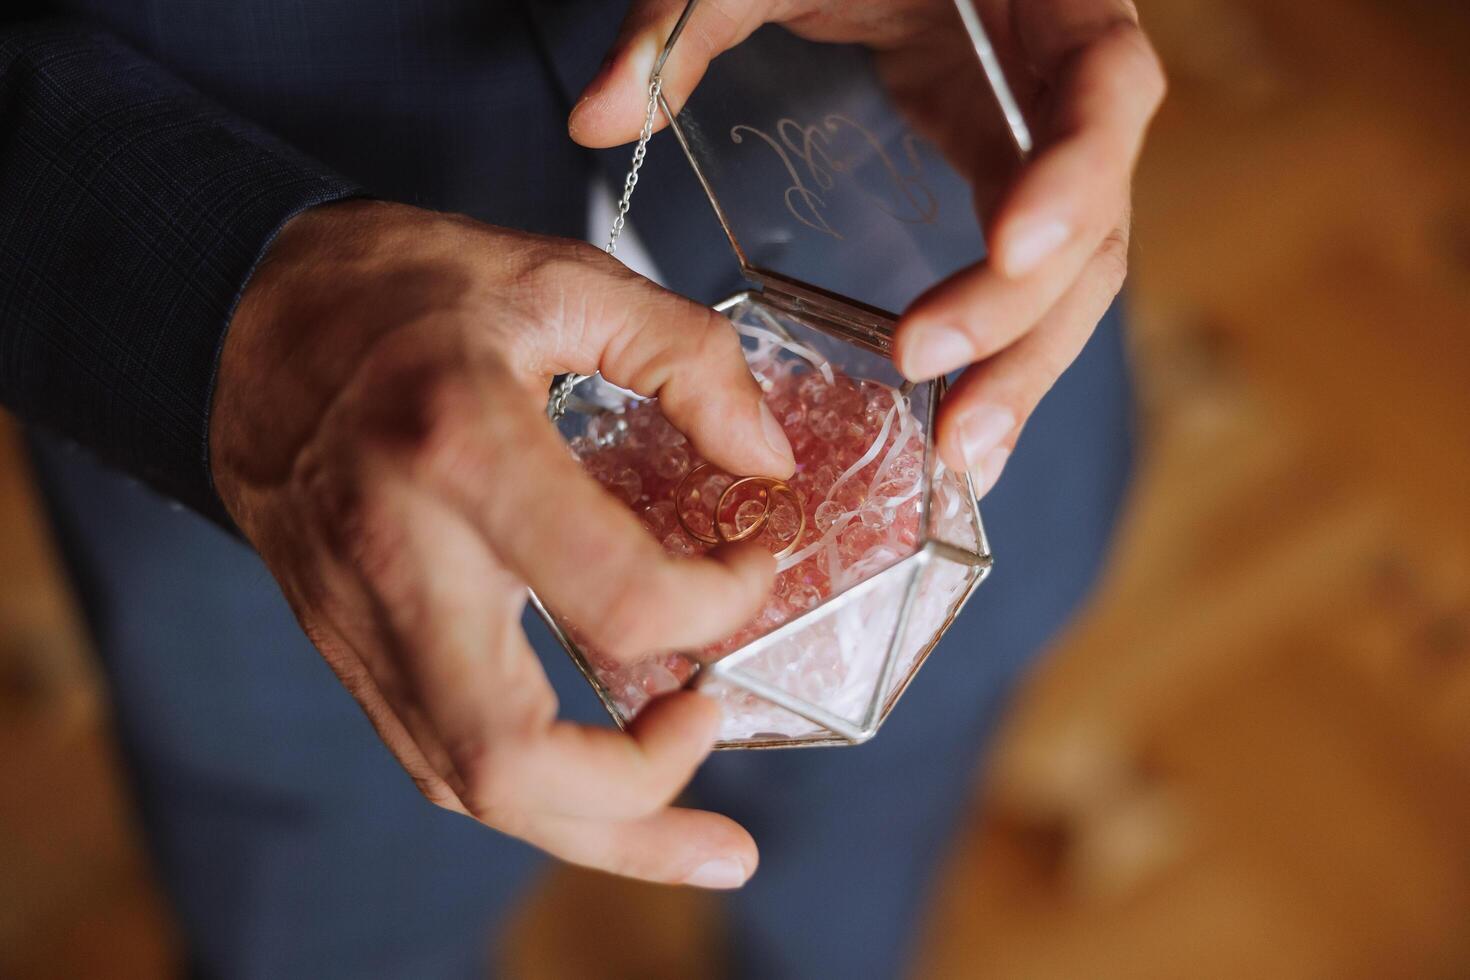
872	329
860	323
995	74
837	730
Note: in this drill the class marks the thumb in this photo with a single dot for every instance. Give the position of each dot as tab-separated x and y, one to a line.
610	111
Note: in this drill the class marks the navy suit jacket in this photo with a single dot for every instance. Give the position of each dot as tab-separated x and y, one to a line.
151	149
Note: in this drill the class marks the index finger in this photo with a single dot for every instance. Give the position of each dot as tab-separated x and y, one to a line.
1065	202
1107	84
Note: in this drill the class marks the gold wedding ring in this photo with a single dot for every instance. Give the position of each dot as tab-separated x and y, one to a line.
754	528
790	546
770	486
679	509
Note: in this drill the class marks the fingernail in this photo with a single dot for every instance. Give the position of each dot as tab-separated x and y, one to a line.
985	475
719	873
1030	246
775	435
982	430
936	349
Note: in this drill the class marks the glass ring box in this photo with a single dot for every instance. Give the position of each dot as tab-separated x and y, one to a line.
840	214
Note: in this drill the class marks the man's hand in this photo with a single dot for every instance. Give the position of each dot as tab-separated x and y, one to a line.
378	434
1058	232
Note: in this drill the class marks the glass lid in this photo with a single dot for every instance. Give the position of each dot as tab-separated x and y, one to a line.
831	193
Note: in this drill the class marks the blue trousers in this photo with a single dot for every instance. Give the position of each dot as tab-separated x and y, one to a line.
293	846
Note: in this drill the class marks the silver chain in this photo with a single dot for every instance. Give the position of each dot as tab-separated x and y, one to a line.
655	88
556	405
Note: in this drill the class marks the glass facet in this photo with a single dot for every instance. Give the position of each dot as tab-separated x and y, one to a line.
891	549
822	179
842	212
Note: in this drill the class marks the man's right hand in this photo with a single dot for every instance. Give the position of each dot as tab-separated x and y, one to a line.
378	435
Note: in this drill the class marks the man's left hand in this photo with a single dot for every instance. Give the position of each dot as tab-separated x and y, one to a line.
1089	81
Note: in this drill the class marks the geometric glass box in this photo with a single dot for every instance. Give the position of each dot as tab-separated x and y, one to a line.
840	215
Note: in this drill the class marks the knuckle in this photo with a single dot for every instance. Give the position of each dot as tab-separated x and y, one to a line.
552	268
655	335
718	342
416	402
562	289
447	409
416	409
658	356
331	502
624	865
430	426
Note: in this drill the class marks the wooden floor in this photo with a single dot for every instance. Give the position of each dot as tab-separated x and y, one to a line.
1251	757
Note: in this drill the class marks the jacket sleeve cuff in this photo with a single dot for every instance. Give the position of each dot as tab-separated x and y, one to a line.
132	213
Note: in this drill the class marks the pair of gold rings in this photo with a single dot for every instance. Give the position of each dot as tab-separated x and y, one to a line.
769	488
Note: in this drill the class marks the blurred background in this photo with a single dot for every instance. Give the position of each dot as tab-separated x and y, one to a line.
1251	755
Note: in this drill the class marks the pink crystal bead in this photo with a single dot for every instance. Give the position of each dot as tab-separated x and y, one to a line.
825	475
661	519
907	468
853	528
712	488
680	544
825	424
671	462
843	399
827	514
606	429
582	447
748	515
857	540
801	597
894	491
791	415
658	679
812	388
850	494
626	483
784	519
